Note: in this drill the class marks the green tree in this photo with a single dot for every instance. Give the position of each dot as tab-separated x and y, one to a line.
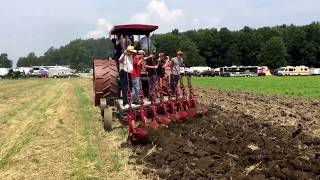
30	60
4	61
274	53
309	54
170	44
233	55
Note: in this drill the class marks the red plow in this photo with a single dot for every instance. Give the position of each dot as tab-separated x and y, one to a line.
160	109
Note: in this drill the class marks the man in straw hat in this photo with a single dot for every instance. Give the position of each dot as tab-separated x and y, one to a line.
126	68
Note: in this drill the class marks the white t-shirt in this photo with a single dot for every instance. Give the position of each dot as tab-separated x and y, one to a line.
127	64
176	65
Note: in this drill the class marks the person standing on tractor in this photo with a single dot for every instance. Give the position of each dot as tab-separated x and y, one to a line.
137	68
163	63
126	68
151	67
176	62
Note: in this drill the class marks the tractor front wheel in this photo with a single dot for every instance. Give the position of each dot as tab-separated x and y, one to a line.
107	118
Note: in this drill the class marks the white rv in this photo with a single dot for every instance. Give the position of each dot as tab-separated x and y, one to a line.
58	72
293	71
24	70
198	70
3	72
315	71
239	71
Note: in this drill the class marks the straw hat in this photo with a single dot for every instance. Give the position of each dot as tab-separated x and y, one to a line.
131	49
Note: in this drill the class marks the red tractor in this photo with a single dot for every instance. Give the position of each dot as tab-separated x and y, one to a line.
160	111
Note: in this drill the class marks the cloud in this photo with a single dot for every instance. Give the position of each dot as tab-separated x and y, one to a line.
103	27
157	12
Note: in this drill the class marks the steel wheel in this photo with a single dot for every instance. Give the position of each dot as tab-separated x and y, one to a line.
107	119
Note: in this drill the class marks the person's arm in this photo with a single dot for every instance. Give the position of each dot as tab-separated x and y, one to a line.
152	67
167	64
172	63
121	59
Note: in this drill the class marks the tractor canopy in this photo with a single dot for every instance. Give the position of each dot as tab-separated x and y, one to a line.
133	29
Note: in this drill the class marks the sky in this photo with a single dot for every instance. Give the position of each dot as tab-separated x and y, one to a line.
36	25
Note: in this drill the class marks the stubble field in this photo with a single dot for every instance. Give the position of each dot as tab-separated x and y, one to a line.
49	128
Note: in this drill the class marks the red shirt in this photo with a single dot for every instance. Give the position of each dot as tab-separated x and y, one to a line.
136	68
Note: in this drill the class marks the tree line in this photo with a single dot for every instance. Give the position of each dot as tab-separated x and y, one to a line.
271	46
4	61
79	54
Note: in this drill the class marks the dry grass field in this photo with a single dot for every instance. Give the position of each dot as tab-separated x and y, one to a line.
49	128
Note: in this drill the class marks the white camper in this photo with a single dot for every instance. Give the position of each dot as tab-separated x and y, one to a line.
25	70
3	72
293	71
60	72
199	69
315	71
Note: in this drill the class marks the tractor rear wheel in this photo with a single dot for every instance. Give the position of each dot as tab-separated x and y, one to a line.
105	81
107	118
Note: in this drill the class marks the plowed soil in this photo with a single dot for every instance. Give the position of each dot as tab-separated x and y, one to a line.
245	136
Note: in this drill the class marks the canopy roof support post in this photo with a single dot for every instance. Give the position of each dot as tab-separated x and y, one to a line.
148	42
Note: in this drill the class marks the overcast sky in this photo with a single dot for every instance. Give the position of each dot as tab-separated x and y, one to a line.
36	25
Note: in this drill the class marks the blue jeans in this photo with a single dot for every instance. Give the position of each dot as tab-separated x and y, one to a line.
174	80
125	82
135	90
152	81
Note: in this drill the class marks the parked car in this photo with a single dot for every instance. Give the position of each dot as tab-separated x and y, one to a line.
207	73
39	72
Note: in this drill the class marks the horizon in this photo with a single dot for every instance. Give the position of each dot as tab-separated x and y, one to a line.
35	26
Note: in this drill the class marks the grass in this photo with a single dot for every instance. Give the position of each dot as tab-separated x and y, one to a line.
31	132
49	128
86	154
298	86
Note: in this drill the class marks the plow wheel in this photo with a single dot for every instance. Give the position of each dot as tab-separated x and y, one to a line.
105	81
107	118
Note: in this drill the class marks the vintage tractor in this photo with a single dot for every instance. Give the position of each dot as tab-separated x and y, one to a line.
159	111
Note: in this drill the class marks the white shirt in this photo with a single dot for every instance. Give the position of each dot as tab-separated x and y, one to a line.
176	65
127	64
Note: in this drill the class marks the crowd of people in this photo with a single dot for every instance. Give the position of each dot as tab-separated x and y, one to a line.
157	67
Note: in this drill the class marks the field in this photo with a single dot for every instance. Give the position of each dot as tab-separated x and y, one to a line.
302	86
49	128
